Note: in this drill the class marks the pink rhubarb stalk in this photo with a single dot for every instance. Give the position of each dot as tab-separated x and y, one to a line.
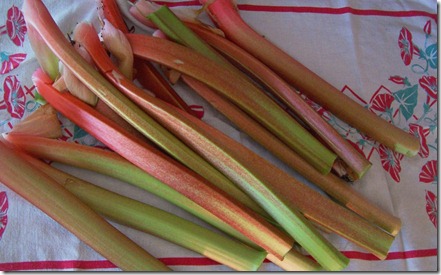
225	14
69	211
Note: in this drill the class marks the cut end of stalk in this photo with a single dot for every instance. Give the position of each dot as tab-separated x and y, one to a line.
342	170
43	123
295	261
407	150
116	42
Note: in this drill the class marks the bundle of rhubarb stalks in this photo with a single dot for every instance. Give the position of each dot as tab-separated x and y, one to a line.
118	87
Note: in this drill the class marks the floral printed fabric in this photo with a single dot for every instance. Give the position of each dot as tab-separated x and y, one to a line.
383	54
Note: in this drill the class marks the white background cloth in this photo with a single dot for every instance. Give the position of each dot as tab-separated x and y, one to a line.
354	45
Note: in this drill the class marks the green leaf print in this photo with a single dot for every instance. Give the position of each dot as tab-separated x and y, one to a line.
407	98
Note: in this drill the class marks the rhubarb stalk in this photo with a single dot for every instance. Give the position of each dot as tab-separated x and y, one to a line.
69	211
225	14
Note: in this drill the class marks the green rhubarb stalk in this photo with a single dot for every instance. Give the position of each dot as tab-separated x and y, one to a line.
331	184
225	14
224	153
253	100
69	211
45	57
166	169
111	164
149	219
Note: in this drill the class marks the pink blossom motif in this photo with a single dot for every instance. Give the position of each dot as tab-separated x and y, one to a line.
4	205
421	133
381	102
16	25
430	85
197	110
391	162
406	45
428	27
14	98
9	62
429	172
431	207
397	79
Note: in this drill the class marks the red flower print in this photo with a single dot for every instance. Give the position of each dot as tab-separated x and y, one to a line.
197	110
429	172
421	133
381	102
406	45
10	62
390	161
431	207
319	109
14	99
16	25
428	27
430	85
3	212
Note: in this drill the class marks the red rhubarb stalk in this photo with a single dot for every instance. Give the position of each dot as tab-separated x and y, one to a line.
225	14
